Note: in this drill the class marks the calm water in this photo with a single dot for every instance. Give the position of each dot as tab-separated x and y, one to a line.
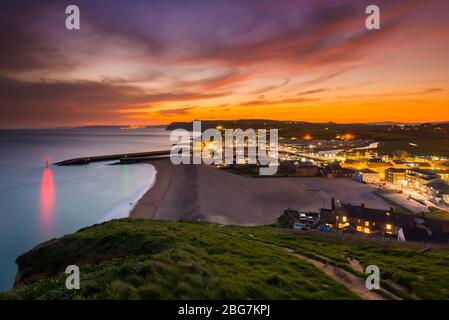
39	203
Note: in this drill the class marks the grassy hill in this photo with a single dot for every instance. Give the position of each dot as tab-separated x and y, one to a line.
141	259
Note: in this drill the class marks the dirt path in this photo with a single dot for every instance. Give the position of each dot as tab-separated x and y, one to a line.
350	281
355	265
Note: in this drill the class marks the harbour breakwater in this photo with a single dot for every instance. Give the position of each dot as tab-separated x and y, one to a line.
123	158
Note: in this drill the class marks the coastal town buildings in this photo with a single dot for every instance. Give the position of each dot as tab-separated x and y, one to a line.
299	169
334	170
395	176
366	220
419	178
368	176
350	218
398	171
438	190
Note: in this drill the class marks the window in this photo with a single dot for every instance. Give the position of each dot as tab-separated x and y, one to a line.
366	230
388	226
344	219
366	223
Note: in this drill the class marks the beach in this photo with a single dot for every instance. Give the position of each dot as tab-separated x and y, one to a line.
204	193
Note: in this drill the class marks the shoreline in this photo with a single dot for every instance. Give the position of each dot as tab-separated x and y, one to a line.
124	210
205	193
148	203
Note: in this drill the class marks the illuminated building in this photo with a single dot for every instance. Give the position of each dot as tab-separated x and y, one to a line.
419	178
366	220
396	176
307	137
368	176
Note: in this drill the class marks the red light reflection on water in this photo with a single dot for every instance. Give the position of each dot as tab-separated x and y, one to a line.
47	203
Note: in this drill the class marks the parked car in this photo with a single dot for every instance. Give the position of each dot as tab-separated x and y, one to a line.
300	226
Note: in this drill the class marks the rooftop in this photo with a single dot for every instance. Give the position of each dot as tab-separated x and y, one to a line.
367	171
439	185
395	170
375	215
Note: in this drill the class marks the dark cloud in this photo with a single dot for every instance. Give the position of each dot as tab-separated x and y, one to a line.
274	87
72	102
313	91
229	78
25	45
287	101
177	111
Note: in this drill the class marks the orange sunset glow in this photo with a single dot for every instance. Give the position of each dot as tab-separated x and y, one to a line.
282	60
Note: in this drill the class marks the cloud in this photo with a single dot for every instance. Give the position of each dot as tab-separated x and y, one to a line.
226	79
274	87
287	101
434	90
137	55
175	112
73	102
314	91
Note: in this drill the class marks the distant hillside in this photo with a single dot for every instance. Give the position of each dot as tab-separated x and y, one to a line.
142	259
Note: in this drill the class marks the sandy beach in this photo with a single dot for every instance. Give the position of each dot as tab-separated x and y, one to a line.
201	192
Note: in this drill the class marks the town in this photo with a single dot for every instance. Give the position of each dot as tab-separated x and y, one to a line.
416	186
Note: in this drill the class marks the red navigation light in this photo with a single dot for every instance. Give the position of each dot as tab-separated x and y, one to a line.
47	203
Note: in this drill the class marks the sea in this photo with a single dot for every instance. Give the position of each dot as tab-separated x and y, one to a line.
39	202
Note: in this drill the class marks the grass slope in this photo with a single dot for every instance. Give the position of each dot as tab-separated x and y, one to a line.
141	259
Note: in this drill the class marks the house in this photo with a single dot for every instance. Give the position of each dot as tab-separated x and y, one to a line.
360	154
334	170
366	220
375	160
299	169
446	198
438	190
417	234
396	176
306	170
398	164
367	176
346	217
419	178
353	164
329	153
444	174
379	166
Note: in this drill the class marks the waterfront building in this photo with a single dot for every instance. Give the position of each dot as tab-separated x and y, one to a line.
395	175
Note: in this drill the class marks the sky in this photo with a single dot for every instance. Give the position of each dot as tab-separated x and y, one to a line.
138	62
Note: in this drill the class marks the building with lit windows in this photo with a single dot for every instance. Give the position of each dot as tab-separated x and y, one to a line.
394	175
444	174
368	176
366	220
344	217
419	178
